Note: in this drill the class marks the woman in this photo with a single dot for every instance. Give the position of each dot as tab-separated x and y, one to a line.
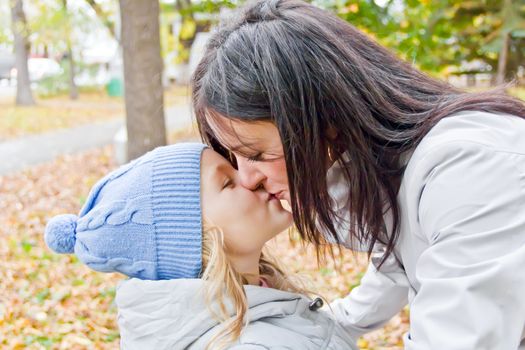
373	154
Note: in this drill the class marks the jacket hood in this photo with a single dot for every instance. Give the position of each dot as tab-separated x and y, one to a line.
177	309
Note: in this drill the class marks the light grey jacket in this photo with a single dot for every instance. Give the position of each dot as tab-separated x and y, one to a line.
460	258
172	315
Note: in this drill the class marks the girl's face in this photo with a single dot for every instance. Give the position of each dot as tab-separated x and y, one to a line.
259	153
248	218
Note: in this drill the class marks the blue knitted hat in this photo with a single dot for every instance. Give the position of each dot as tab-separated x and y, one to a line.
143	219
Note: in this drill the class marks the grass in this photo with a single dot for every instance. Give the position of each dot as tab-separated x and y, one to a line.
58	112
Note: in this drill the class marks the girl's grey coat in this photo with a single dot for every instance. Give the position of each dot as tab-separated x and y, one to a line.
172	315
460	258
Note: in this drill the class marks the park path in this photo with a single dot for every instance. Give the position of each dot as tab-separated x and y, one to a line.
23	152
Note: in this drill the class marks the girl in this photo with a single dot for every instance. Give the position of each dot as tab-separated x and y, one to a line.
191	237
375	155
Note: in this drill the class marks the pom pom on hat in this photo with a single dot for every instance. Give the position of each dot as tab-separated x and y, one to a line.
60	233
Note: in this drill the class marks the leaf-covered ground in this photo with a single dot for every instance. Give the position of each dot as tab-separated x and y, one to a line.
51	301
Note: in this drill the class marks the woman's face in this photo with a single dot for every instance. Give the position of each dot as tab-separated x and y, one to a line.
259	153
248	218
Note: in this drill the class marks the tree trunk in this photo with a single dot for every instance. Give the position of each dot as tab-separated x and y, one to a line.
24	96
142	76
104	17
507	13
502	59
73	89
184	9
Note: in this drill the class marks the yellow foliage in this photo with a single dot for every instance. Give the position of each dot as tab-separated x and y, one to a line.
188	29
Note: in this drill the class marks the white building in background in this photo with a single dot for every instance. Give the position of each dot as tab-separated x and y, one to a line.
475	73
94	47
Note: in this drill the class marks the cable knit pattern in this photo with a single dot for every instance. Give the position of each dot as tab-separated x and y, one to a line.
135	210
143	219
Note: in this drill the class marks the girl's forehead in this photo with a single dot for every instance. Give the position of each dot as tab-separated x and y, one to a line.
211	159
213	165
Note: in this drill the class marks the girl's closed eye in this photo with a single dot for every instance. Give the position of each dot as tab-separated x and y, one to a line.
228	182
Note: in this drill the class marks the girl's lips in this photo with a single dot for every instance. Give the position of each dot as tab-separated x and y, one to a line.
278	195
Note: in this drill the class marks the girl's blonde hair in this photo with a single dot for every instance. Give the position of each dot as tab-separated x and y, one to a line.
224	282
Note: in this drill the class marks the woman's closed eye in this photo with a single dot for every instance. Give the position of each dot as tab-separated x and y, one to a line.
267	158
255	158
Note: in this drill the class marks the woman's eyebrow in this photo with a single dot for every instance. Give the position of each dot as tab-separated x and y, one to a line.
242	146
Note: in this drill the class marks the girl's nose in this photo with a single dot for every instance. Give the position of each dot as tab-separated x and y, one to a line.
250	177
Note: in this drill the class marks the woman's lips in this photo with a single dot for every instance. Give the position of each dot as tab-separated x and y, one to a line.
271	197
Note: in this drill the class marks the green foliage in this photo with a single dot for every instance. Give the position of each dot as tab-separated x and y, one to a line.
213	6
186	12
437	35
56	85
53	85
367	15
5	21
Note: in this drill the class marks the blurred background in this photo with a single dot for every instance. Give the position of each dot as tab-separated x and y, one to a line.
86	85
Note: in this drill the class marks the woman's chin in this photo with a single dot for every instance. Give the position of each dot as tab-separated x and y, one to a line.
288	221
280	224
280	216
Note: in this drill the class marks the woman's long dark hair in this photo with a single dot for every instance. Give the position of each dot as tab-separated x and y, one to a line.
308	72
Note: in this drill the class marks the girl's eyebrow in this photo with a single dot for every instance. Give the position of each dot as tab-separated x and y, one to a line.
219	170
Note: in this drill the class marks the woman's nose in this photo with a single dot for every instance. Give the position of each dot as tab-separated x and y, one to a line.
250	177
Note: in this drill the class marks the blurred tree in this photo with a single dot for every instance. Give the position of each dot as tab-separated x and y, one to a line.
375	19
6	32
104	15
54	26
24	96
495	33
439	34
142	76
190	26
73	89
193	17
413	29
420	32
512	24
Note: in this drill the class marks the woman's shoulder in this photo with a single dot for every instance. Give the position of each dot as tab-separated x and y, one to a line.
469	165
474	131
467	148
500	132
